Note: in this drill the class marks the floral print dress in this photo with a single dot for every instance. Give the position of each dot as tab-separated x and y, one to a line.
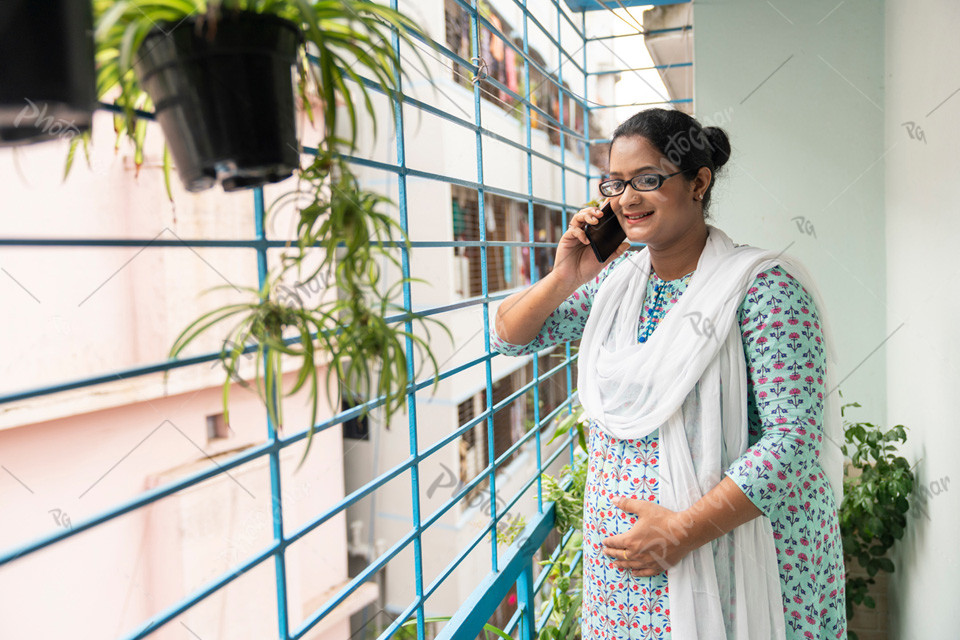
778	472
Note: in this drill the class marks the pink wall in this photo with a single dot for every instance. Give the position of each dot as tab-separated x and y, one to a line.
74	313
105	581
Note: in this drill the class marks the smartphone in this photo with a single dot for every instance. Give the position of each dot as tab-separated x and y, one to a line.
606	235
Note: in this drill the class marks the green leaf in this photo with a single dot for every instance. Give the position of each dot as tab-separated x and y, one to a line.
166	172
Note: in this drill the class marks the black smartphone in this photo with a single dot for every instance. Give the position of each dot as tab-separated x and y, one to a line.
606	235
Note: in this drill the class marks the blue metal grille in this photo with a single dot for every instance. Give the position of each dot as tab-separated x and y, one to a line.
515	567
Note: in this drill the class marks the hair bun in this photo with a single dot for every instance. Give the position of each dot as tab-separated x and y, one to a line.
720	145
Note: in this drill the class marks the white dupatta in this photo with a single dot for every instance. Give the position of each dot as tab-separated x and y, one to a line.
689	380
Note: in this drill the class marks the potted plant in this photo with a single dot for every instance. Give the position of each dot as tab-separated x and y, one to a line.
202	67
46	63
876	485
217	75
222	91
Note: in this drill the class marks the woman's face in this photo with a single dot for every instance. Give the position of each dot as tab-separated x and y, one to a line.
675	211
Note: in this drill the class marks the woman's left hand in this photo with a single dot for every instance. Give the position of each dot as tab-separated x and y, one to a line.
656	542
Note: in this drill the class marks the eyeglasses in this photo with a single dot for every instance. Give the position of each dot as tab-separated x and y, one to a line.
642	182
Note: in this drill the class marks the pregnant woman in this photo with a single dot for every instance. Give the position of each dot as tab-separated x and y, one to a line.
706	372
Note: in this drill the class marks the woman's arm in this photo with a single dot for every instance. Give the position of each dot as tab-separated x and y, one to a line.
522	319
521	316
785	389
564	323
661	537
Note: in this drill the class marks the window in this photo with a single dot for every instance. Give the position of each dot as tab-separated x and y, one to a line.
356	428
510	423
505	220
505	66
217	428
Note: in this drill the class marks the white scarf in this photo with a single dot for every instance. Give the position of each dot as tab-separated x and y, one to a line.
672	382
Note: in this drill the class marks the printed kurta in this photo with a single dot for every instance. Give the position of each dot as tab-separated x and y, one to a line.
779	472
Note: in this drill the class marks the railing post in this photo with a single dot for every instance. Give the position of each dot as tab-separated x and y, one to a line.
276	502
525	601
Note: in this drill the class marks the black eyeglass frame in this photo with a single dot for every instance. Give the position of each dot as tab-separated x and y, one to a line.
631	181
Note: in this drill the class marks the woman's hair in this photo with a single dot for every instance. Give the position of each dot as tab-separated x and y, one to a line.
681	140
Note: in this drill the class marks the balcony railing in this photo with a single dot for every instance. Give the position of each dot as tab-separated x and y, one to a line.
552	99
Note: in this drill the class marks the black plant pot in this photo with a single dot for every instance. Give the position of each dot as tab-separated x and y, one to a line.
223	94
48	84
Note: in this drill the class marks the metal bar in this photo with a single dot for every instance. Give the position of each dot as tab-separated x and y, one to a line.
464	183
651	68
475	15
484	286
271	244
639	104
467	623
580	33
490	134
586	154
130	242
408	343
531	223
415	533
144	499
274	453
606	5
249	455
645	32
475	68
171	612
525	602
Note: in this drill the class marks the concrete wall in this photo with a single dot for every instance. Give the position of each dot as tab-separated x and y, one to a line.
799	89
105	582
922	366
844	114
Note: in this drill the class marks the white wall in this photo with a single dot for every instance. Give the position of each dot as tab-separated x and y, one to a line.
807	141
828	137
922	366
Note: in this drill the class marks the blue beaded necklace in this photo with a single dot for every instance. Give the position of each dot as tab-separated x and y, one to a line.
657	306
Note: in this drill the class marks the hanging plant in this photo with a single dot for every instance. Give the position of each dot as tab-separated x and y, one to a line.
365	354
47	71
216	74
223	95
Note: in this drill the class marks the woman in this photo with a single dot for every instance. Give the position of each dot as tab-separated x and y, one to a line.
711	501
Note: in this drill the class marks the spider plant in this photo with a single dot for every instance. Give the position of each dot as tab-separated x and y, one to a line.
360	334
343	41
339	212
364	352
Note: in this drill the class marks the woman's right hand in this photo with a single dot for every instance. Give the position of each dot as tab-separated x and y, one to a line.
575	262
